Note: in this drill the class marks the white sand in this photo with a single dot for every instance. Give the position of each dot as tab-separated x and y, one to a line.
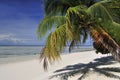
32	69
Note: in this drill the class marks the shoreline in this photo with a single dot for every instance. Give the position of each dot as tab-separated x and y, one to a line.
20	58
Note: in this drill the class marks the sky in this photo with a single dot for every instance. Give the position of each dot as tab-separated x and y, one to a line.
19	20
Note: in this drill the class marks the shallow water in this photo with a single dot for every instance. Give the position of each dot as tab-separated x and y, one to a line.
11	51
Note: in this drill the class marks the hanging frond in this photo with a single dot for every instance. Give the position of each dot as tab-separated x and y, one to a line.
76	37
84	34
77	21
48	23
77	11
55	44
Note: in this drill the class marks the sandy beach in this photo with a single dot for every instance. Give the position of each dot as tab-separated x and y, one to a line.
81	65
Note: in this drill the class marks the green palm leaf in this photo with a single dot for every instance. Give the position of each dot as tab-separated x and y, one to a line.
48	23
55	44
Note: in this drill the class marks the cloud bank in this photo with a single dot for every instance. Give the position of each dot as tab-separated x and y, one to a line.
12	38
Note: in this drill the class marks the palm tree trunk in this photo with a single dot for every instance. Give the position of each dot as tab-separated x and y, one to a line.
104	39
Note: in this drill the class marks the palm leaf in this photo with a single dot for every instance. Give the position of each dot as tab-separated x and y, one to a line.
75	39
55	44
113	8
59	7
48	22
55	7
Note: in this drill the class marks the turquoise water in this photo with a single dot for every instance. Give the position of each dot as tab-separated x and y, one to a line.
9	51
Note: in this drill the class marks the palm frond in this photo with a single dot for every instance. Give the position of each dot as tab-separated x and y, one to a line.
75	37
85	35
113	8
55	7
75	16
59	7
78	11
48	23
55	44
99	13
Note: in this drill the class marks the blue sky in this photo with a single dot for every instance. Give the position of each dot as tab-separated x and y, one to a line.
19	20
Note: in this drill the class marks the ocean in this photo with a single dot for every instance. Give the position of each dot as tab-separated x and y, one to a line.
12	51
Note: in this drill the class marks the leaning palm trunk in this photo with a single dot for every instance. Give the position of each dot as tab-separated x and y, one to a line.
100	36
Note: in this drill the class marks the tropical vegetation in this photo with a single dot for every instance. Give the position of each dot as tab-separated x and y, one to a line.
71	21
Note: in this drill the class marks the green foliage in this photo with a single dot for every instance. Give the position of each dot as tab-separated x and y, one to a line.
113	9
62	6
56	42
55	7
48	22
100	13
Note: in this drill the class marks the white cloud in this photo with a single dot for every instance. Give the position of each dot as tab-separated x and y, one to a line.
12	37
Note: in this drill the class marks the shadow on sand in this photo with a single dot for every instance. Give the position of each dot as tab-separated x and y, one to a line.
84	70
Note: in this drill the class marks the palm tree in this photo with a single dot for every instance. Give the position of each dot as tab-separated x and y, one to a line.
74	21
